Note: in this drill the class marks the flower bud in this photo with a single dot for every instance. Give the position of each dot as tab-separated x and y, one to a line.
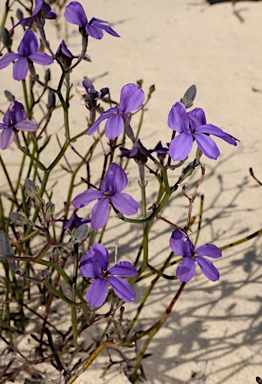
6	38
80	233
19	218
189	96
10	97
32	191
47	75
49	210
19	14
51	100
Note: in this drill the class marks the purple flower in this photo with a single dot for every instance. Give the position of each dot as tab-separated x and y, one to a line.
94	265
64	55
192	126
140	153
75	14
41	12
14	118
181	245
113	183
74	222
27	52
131	99
91	95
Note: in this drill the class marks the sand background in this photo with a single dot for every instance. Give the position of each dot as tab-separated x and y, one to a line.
215	330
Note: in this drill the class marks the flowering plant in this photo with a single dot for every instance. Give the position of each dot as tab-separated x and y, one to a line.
96	271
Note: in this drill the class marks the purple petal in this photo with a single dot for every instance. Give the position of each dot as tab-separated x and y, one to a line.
75	14
208	268
114	126
102	24
198	116
186	269
207	145
86	198
94	31
210	250
98	257
41	58
38	6
178	119
89	267
18	112
180	244
213	130
102	117
29	44
86	83
181	146
6	138
7	59
115	179
97	293
122	289
20	69
26	125
131	98
123	268
124	203
100	213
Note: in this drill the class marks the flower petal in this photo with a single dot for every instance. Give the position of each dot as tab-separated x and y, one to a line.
102	117
41	58
29	44
7	59
86	198
122	289
94	31
178	119
89	266
115	179
186	269
198	116
208	268
20	69
124	203
102	24
210	250
180	244
97	293
181	146
213	130
123	268
131	98
114	126
26	125
94	261
6	138
75	14
207	145
102	254
100	213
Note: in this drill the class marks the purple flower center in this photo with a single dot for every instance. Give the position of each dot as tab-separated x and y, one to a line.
106	275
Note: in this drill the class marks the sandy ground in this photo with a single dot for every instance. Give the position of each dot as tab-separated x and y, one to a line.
214	333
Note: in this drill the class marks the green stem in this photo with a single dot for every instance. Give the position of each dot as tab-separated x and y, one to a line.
153	331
